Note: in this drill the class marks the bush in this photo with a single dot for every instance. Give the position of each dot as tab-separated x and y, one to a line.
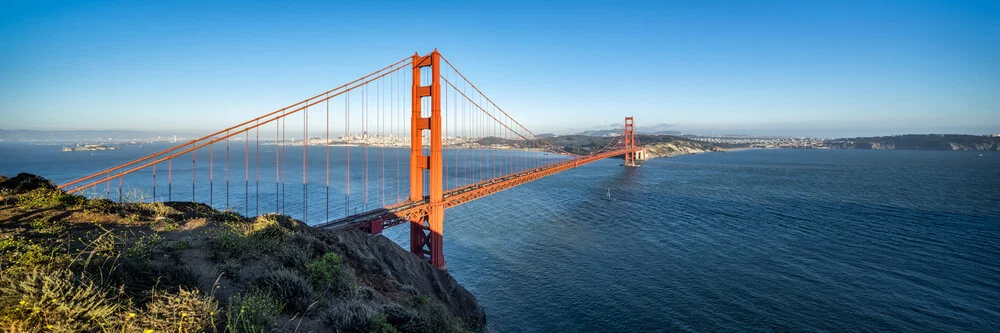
59	301
70	200
183	311
379	324
243	239
40	198
324	270
47	227
251	312
425	315
161	210
228	245
286	285
351	315
143	247
25	254
99	205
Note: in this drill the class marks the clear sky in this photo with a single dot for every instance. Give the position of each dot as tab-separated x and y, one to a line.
840	68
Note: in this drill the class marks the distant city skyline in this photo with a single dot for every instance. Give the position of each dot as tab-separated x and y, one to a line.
794	69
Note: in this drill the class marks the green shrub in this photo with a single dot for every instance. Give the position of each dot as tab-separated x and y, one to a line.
183	311
168	225
27	254
379	324
177	275
40	198
143	247
419	301
72	200
228	245
251	312
58	301
47	227
243	240
425	315
157	209
99	205
133	217
324	270
286	285
350	315
264	223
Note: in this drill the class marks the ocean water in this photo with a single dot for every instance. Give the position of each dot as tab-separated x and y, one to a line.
757	240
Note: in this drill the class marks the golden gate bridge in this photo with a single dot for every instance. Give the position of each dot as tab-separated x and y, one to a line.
462	146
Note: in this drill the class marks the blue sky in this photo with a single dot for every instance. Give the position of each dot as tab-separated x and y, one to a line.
787	68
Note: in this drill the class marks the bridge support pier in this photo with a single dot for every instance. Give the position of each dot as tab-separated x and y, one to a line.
427	233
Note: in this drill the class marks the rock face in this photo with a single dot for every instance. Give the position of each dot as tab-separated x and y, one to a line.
670	149
386	266
920	142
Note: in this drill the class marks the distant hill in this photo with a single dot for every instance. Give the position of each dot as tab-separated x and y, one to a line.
585	144
920	142
21	135
614	129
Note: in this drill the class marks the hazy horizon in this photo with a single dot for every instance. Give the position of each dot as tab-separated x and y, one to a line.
293	134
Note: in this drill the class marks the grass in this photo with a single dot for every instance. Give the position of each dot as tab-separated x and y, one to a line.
57	300
243	239
45	226
142	248
24	254
183	311
252	312
47	198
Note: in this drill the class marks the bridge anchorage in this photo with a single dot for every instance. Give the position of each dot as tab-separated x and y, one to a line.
462	146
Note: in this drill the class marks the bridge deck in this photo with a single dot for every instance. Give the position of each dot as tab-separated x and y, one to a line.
379	219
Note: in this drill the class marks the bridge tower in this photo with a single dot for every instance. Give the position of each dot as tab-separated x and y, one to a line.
427	233
629	142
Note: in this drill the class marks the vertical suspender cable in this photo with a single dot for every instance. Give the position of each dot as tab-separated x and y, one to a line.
277	165
227	169
327	168
381	133
284	154
170	179
305	166
211	176
246	173
347	164
256	170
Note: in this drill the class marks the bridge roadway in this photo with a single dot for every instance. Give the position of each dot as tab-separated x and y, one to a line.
376	220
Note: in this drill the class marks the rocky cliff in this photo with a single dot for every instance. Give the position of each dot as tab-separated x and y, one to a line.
678	147
920	142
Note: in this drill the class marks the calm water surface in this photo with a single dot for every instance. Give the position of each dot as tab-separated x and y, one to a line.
759	240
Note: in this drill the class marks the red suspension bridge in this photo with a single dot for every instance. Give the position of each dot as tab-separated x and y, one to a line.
415	138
